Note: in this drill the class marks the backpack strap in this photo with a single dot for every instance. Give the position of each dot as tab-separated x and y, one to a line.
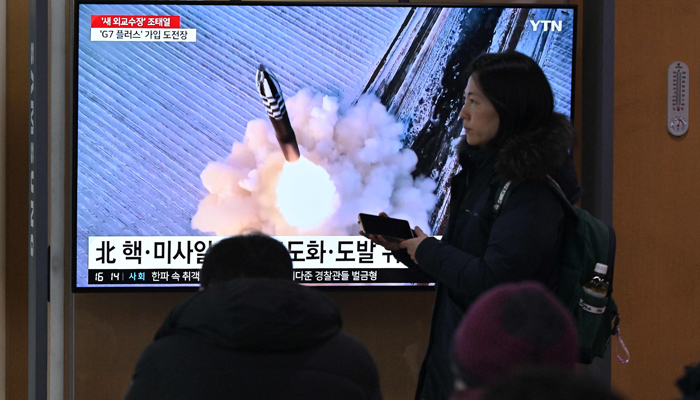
557	189
502	195
566	204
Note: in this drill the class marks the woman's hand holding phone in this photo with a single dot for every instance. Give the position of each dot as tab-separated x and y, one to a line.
396	244
412	244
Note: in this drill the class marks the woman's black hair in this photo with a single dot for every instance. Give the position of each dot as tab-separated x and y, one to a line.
518	89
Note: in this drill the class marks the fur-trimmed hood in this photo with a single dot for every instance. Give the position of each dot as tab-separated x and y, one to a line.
534	154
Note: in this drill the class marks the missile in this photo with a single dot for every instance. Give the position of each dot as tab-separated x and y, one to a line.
271	95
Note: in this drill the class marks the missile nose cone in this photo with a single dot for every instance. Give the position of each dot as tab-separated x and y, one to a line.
260	75
267	84
273	100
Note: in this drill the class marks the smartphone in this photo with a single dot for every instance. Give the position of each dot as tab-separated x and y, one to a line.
388	227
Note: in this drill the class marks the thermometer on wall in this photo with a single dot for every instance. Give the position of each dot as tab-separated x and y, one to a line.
677	108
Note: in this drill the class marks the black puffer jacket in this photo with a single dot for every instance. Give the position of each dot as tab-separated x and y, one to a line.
255	339
479	251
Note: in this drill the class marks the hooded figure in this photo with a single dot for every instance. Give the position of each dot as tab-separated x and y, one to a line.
252	333
511	133
511	327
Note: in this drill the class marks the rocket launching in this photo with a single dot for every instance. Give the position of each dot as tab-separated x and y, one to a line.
273	100
256	189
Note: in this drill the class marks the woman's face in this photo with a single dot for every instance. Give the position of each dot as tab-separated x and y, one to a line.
479	116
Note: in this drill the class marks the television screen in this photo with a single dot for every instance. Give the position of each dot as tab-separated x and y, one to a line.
197	121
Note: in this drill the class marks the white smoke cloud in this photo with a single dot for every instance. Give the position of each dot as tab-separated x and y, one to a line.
360	149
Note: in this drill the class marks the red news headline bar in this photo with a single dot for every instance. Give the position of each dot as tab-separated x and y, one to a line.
135	21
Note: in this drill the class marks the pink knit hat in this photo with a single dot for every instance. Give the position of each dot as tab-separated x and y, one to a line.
510	326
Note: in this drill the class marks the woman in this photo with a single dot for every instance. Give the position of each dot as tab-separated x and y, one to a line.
511	133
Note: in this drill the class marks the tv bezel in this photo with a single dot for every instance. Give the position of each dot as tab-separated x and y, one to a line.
73	126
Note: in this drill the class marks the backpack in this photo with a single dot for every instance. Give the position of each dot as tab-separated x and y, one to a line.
586	241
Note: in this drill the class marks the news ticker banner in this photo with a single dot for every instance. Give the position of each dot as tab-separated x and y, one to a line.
187	252
313	277
176	260
139	28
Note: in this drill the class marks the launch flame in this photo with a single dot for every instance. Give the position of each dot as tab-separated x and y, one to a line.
306	194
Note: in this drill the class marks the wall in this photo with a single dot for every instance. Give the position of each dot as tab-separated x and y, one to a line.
655	197
16	170
3	58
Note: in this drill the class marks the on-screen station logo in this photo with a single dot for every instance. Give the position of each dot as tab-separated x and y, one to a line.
546	25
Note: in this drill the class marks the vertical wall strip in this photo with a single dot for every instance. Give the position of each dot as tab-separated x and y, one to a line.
68	248
38	197
597	123
57	195
3	233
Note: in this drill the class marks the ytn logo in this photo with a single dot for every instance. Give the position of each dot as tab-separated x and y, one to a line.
547	25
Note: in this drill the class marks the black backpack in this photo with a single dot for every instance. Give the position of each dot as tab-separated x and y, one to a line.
586	241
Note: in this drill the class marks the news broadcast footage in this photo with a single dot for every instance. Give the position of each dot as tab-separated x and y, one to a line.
178	141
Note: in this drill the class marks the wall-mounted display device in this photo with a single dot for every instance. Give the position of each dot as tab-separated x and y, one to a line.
677	101
196	121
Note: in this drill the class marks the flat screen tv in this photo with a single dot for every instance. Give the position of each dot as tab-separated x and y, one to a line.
197	121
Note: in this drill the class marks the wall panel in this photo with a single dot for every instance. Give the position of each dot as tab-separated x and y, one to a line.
16	170
655	197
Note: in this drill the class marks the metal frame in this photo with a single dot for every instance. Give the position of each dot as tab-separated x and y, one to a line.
57	203
38	198
74	139
598	125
